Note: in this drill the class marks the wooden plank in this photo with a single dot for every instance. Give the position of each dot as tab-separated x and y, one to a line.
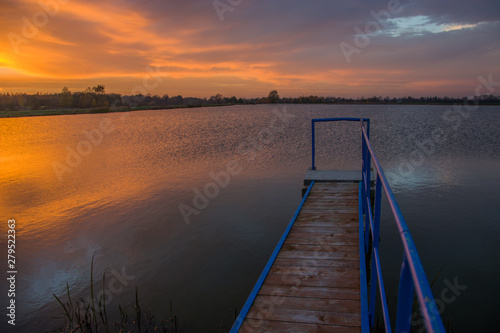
265	326
333	202
325	197
345	188
320	248
325	213
314	238
308	291
309	303
335	191
336	184
329	229
313	271
347	280
331	207
309	317
318	255
320	206
330	237
332	263
322	214
337	223
347	222
340	188
333	194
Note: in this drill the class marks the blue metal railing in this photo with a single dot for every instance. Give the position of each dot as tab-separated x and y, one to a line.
320	120
412	278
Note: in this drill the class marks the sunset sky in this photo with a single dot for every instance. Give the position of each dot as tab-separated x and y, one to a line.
249	47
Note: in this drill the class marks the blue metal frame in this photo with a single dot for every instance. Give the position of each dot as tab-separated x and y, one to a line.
270	262
412	278
320	120
365	324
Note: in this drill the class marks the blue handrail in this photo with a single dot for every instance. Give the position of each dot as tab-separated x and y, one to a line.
412	278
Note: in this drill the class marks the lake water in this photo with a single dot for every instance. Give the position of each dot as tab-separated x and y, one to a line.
120	200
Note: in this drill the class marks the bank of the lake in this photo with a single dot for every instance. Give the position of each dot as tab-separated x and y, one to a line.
61	112
72	111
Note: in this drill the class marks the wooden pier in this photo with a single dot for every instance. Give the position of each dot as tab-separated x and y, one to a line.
313	284
316	277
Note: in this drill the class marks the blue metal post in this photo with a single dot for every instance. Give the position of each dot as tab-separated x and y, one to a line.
368	161
383	299
373	291
367	182
375	243
405	298
365	209
365	325
313	167
378	204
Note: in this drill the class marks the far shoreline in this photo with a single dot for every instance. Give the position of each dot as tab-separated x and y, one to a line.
97	110
101	110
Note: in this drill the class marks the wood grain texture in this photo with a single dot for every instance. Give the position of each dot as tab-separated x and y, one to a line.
313	285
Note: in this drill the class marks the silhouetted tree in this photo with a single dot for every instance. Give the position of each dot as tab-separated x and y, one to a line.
273	97
217	99
65	98
177	100
99	89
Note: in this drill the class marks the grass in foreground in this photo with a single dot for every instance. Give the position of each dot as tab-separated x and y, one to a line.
87	316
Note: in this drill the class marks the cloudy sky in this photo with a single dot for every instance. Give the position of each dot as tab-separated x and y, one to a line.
249	47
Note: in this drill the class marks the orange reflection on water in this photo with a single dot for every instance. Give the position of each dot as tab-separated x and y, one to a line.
51	173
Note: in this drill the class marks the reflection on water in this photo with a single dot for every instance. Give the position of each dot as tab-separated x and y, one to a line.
110	185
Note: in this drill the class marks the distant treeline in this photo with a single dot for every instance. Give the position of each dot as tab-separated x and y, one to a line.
96	97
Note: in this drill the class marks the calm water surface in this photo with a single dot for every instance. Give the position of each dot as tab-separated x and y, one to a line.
120	203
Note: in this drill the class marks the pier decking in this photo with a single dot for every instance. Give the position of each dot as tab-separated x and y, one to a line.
314	283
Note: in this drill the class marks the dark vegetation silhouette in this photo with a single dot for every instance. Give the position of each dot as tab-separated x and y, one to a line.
97	99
